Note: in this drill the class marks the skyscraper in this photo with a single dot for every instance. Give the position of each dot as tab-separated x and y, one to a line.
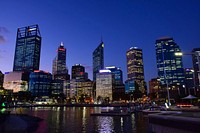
135	67
196	68
27	50
189	81
60	70
78	72
40	83
117	72
98	59
170	67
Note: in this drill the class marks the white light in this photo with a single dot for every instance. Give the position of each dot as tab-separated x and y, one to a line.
110	67
104	71
32	29
178	54
61	44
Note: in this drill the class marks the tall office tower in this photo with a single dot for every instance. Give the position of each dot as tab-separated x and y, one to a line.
196	65
60	70
117	72
98	59
170	66
78	72
135	67
27	50
189	81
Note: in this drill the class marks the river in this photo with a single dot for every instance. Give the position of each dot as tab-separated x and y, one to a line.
78	120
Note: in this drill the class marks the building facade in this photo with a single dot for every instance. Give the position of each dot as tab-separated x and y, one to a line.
1	80
40	83
98	60
59	70
27	50
135	67
190	81
170	67
78	72
105	85
118	75
81	91
196	61
15	81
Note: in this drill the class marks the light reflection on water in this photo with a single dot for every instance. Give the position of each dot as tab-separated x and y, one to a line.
78	120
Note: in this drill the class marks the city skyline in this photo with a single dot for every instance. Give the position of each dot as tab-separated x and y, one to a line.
80	25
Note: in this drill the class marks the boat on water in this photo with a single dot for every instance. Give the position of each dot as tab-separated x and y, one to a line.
113	111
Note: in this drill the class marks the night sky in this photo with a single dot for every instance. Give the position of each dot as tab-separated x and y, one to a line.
81	23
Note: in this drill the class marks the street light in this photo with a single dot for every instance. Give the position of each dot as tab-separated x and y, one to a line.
192	53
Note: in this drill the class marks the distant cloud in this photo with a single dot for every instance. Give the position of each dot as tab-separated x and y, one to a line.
2	52
2	39
3	30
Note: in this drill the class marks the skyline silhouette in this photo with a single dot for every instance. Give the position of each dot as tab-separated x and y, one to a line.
81	25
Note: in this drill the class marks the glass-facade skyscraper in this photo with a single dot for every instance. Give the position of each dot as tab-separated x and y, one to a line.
135	67
196	51
98	60
60	70
27	50
40	83
117	72
169	66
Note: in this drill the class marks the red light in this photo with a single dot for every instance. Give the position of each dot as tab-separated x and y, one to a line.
81	73
61	49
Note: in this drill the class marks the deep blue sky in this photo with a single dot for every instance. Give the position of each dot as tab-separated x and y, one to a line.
81	23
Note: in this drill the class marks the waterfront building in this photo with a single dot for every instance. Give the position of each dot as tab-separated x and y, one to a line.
1	79
57	87
196	61
15	81
105	85
59	70
155	90
118	86
27	50
118	75
135	67
80	91
40	83
189	81
169	66
98	59
78	72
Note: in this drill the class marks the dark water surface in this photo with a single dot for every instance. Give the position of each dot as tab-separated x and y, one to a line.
78	120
